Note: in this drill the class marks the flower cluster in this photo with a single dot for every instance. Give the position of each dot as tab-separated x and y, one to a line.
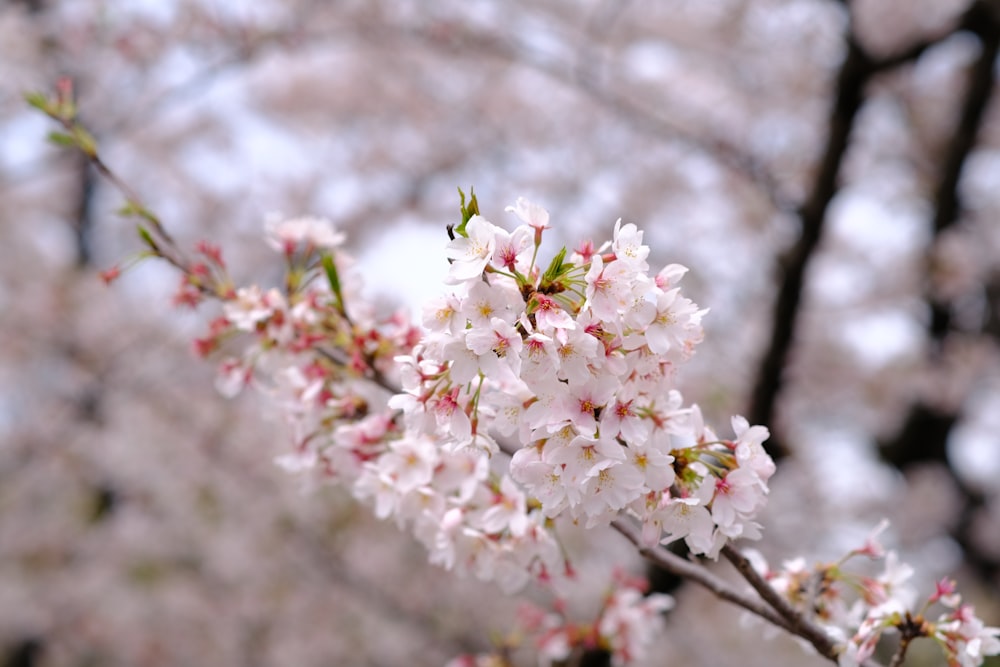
569	370
623	629
571	367
858	610
575	364
329	364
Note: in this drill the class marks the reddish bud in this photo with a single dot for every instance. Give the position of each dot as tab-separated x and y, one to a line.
205	346
187	296
212	252
64	89
108	275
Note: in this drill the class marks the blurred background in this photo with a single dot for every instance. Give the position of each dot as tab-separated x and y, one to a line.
829	170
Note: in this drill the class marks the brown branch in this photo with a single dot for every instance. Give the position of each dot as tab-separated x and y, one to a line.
969	20
947	204
482	44
676	565
925	431
900	655
856	70
796	622
83	222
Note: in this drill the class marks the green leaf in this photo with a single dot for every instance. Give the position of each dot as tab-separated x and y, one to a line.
467	211
147	237
38	100
62	139
556	267
334	278
550	282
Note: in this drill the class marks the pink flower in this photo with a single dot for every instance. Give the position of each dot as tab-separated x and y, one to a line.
512	250
530	214
287	235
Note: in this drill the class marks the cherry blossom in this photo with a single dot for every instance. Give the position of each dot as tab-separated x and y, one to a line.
529	396
471	254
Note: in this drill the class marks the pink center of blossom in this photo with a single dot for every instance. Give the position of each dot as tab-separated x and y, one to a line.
507	257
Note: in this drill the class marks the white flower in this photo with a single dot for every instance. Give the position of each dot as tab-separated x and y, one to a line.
486	301
622	418
409	461
609	288
669	276
656	467
612	486
252	306
630	621
576	350
676	327
549	315
687	518
628	247
471	254
508	511
286	235
442	315
966	638
750	451
542	479
496	344
379	486
738	497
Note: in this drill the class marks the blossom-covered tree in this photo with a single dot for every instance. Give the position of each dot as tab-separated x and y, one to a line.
853	370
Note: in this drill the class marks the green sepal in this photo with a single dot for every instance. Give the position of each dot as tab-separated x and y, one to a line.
65	110
467	211
551	279
85	141
134	208
128	210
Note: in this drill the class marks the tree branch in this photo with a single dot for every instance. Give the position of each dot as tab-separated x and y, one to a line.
925	431
796	623
855	72
662	558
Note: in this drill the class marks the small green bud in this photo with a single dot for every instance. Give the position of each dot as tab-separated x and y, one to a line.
467	211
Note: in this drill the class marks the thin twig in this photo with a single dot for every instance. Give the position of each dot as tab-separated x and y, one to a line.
900	655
